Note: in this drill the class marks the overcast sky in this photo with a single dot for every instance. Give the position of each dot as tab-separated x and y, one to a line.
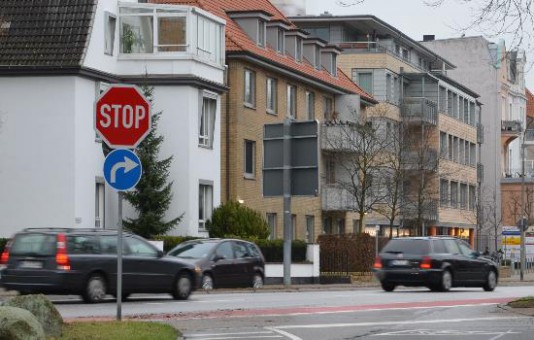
413	18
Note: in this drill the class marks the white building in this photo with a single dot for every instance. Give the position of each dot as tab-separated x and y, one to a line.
50	160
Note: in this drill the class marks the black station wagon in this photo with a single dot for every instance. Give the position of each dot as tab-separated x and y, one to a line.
84	262
438	263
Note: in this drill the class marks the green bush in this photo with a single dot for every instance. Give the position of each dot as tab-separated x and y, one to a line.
273	250
233	218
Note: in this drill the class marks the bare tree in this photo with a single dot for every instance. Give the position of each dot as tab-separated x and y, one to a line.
356	150
515	204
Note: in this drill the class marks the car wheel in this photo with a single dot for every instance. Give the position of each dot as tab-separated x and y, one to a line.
446	281
95	289
207	282
257	281
388	286
491	281
182	287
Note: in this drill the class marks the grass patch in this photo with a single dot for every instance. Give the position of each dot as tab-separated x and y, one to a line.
525	302
112	330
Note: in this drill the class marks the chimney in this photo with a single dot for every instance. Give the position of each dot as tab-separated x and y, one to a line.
429	37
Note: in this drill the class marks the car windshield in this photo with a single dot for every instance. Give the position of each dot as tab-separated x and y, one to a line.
33	245
195	250
407	246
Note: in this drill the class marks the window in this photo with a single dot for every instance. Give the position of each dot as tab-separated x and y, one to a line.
454	194
207	120
250	88
310	227
389	85
250	159
271	95
292	101
328	108
205	204
439	246
209	39
365	80
140	248
451	138
472	154
310	105
294	226
463	196
281	41
467	151
341	226
327	225
110	23
298	49
452	246
444	192
149	30
472	197
461	147
99	205
443	144
271	222
261	33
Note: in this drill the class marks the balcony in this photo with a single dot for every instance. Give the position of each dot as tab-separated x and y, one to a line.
510	130
338	137
336	198
419	110
428	209
480	133
417	160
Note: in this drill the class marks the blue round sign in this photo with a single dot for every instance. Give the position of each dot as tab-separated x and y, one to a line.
122	169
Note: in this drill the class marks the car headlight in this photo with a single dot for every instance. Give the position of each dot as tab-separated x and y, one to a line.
198	270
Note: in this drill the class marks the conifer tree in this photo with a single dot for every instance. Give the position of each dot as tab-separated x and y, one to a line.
152	196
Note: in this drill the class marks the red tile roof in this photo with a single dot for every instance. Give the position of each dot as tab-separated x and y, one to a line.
237	41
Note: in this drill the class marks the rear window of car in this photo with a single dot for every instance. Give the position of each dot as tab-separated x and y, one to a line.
412	247
194	250
80	244
33	245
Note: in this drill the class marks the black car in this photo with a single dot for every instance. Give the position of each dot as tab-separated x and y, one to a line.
84	262
224	262
438	263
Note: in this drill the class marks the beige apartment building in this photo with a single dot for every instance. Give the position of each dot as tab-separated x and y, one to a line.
440	119
275	70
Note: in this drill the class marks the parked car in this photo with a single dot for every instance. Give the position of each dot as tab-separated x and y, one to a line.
438	263
84	262
224	262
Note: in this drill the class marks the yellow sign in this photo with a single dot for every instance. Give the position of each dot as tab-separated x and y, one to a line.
511	240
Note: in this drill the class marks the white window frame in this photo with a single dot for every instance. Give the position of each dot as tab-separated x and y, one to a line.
271	98
272	223
100	203
249	161
261	33
292	101
249	87
110	27
205	203
206	120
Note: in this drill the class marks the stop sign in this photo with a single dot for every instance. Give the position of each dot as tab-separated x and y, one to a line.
122	116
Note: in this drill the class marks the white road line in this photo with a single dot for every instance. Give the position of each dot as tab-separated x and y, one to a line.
284	333
390	323
238	333
240	337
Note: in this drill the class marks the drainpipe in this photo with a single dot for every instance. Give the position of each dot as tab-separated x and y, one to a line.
227	136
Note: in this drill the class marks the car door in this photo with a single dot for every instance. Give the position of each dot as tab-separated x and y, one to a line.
144	268
223	264
476	268
243	265
108	260
459	263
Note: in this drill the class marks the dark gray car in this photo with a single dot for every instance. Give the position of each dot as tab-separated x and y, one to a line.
84	262
224	262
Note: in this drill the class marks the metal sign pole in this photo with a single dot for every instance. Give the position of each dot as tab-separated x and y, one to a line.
119	262
288	233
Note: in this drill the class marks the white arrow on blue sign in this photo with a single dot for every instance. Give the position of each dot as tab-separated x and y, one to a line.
122	169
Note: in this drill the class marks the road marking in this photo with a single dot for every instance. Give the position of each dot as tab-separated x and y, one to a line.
284	333
398	323
238	335
445	332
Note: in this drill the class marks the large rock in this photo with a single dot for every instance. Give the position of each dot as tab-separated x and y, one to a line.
43	309
19	324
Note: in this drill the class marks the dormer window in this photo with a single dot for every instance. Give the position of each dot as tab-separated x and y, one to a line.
294	40
276	35
253	23
312	51
329	59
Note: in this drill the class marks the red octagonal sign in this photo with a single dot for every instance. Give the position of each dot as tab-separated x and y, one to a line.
122	116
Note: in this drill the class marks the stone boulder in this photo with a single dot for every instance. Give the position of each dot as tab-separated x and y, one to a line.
19	324
43	309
